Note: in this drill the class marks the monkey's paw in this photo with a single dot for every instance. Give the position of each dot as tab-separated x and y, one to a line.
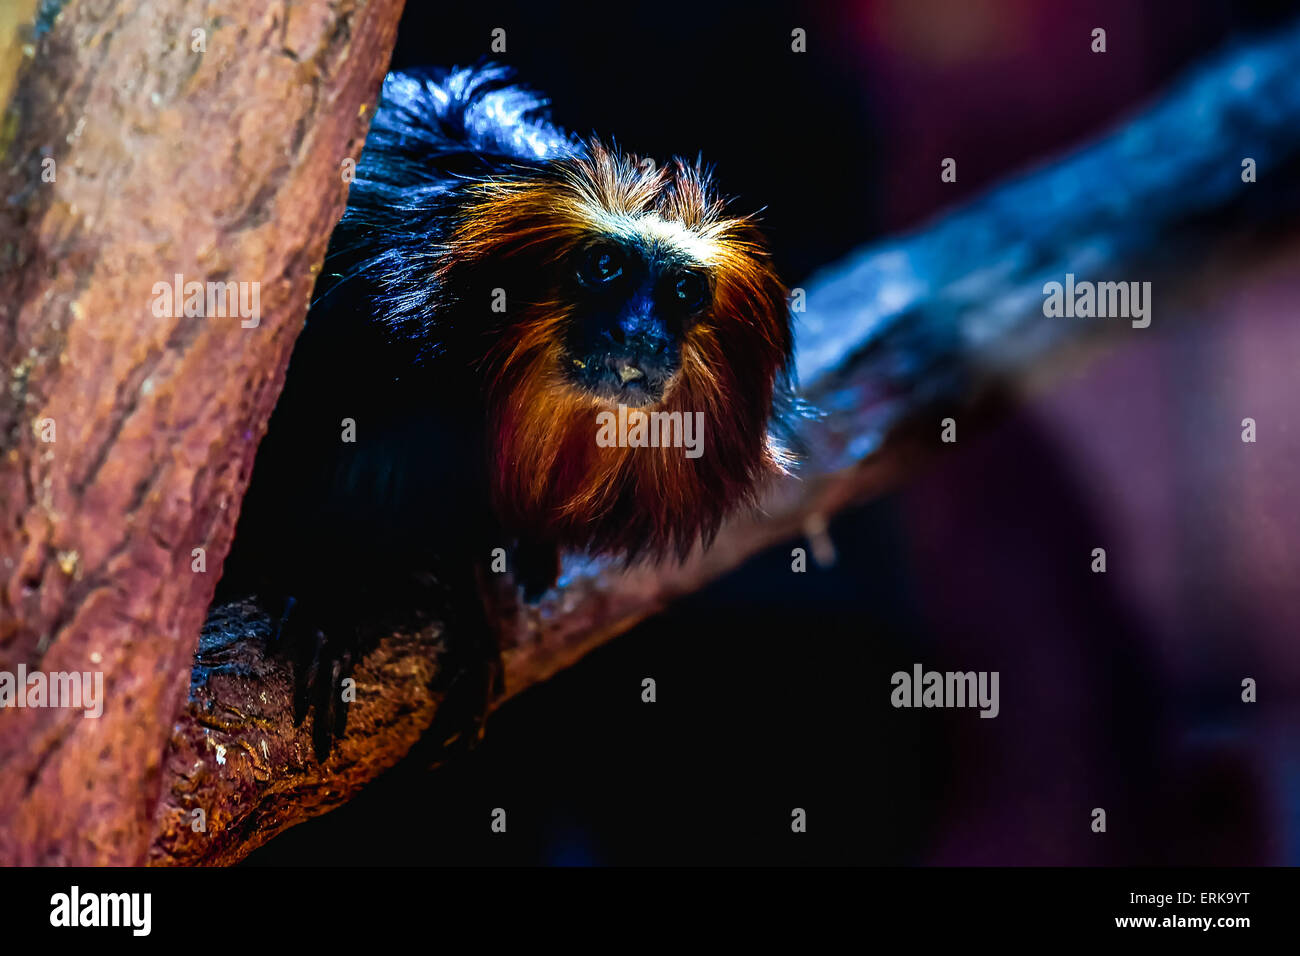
469	690
320	647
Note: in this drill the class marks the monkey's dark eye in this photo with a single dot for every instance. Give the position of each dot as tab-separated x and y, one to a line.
691	290
602	263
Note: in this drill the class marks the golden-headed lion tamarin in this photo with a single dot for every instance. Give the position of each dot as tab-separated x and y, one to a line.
494	286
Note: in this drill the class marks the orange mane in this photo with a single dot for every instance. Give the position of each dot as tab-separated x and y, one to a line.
549	475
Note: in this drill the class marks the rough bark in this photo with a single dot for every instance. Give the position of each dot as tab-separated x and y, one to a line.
126	437
157	418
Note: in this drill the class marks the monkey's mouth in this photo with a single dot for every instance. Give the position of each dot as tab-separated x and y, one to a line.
630	380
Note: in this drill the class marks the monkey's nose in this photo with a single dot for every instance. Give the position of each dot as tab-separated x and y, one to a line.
644	342
640	333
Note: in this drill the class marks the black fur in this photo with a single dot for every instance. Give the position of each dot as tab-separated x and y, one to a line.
331	530
382	347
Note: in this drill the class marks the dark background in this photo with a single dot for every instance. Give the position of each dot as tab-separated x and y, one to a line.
1117	691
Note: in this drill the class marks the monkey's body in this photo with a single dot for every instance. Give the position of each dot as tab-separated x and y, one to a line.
492	286
411	483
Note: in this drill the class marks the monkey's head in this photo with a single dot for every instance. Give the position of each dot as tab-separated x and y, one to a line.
622	284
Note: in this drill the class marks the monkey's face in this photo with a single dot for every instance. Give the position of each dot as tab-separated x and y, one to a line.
625	285
634	299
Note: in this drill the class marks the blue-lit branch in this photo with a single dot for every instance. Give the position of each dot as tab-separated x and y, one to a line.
910	320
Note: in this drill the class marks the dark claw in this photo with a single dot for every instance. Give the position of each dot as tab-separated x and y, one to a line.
461	718
341	705
470	677
319	668
331	710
